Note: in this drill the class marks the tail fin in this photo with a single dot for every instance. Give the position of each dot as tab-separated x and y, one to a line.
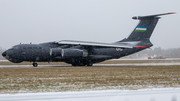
145	27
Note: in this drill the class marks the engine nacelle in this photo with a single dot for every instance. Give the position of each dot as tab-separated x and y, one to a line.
55	51
73	53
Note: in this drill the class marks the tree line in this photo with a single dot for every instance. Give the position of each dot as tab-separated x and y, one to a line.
167	53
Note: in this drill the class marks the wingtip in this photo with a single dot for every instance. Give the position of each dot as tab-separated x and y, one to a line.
172	13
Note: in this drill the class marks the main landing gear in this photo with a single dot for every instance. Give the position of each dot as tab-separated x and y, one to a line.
89	64
82	64
76	62
35	64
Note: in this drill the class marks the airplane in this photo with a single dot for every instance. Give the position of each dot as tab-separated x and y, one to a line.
81	53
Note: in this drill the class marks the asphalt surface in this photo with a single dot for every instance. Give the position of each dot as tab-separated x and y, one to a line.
95	65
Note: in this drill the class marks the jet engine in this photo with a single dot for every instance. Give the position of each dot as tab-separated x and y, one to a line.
55	51
74	53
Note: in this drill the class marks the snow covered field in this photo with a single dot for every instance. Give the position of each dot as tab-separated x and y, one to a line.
163	94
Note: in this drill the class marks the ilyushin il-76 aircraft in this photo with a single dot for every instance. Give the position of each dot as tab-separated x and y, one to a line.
81	53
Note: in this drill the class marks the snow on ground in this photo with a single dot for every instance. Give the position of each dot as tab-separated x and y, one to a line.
163	94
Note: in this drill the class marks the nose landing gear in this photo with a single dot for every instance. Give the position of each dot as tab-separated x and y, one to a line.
35	64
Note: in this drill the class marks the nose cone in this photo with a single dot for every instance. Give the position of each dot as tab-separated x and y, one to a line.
4	54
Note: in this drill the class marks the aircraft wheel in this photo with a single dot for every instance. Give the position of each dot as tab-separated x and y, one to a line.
35	64
82	64
79	64
89	64
74	64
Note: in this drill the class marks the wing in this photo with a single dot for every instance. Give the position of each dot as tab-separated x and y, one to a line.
92	44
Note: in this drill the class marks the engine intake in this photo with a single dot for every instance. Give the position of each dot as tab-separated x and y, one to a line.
55	51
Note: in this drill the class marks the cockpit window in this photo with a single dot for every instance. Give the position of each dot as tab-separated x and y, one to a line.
29	47
34	47
13	48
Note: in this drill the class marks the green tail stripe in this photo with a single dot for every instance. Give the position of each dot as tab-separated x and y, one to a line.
140	30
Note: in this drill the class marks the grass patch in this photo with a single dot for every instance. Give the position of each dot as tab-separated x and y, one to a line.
58	79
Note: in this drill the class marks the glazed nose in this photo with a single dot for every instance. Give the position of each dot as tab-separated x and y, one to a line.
4	54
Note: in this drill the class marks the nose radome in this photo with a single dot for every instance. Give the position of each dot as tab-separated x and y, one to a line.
4	54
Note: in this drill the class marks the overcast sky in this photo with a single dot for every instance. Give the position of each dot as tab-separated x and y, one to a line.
37	21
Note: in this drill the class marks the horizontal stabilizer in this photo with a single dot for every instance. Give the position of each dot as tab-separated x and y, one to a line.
151	16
